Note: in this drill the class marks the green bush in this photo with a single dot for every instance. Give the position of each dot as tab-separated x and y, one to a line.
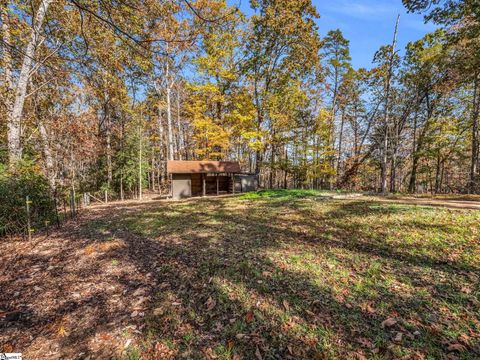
15	186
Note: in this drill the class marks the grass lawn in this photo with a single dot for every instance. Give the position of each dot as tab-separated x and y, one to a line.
284	274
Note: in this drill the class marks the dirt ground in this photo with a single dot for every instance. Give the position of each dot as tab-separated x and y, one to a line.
442	202
62	297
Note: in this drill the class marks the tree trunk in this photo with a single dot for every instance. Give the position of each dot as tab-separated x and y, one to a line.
161	136
438	169
179	129
393	164
383	169
152	171
285	174
109	150
169	113
412	186
169	126
393	173
49	163
474	157
340	141
122	130
413	177
14	116
7	57
387	120
140	135
272	161
419	143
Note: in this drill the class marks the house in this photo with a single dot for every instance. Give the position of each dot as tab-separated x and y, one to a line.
201	178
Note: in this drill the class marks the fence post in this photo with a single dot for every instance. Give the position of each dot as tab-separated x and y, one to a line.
47	227
29	229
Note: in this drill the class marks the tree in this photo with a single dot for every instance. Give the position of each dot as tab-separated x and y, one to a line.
16	91
462	19
335	50
282	46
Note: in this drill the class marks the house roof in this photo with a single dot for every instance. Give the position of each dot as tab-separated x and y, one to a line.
193	167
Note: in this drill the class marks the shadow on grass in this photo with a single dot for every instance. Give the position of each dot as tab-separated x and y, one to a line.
220	277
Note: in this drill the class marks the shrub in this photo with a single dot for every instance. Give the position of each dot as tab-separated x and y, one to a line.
15	186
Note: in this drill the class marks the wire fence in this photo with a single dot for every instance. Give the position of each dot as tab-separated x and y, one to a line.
25	215
38	214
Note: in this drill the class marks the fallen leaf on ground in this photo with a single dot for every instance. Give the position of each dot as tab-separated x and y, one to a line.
290	349
464	339
249	317
368	308
457	347
258	355
210	304
398	338
7	348
62	332
158	311
389	322
365	342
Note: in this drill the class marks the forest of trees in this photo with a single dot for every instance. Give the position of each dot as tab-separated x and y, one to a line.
98	95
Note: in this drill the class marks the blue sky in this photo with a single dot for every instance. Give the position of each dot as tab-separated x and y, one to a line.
368	24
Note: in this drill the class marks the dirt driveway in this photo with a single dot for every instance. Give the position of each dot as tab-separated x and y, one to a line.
452	204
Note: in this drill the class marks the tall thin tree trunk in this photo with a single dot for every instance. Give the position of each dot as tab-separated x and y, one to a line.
49	163
340	143
285	171
387	115
420	142
161	135
122	131
14	116
438	173
152	171
474	157
258	154
393	163
413	177
109	150
169	113
140	136
334	114
7	57
179	128
272	161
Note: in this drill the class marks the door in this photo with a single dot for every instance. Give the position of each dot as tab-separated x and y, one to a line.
181	186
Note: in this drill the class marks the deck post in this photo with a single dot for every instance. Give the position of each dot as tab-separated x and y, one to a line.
218	192
233	183
204	185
